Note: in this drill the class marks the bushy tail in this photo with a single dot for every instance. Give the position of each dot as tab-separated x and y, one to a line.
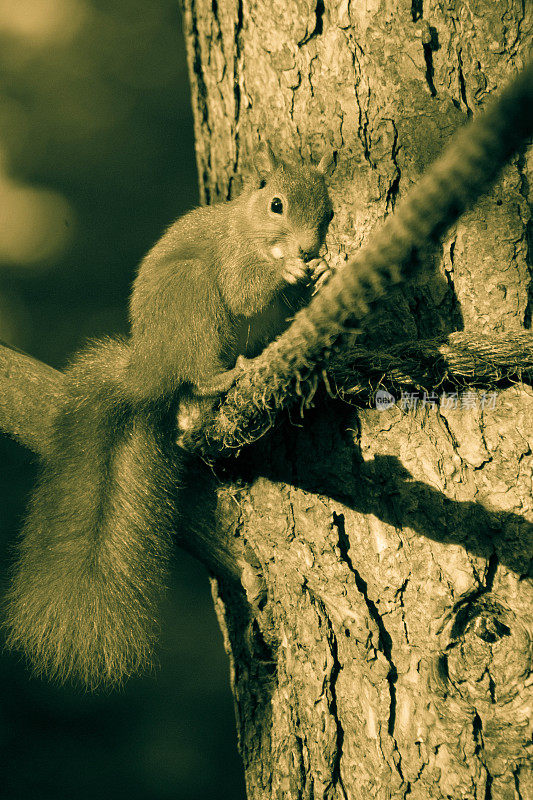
96	540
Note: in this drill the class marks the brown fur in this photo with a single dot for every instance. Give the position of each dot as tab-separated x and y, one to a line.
97	538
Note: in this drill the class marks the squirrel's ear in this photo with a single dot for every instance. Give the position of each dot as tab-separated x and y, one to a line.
327	163
264	160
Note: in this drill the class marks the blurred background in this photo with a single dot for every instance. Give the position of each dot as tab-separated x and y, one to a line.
96	158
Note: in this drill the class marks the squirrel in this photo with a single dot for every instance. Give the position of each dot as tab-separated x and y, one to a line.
222	282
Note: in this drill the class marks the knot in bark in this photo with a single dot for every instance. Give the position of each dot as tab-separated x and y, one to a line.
487	655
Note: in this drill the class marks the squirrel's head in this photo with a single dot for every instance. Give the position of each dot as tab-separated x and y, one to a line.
291	210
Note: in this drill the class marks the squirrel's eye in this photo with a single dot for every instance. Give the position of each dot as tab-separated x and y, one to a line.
276	205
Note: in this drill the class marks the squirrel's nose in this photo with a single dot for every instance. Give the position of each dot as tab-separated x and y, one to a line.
309	243
308	250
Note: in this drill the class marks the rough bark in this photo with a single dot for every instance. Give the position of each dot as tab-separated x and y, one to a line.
389	654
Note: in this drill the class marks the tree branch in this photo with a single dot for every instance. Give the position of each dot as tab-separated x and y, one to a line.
30	394
460	358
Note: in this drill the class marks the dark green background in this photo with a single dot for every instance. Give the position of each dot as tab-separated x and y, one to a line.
102	117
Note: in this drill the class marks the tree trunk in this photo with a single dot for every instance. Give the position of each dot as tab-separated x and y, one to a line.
390	655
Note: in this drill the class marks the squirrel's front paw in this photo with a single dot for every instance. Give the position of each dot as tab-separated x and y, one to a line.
319	272
316	271
294	270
